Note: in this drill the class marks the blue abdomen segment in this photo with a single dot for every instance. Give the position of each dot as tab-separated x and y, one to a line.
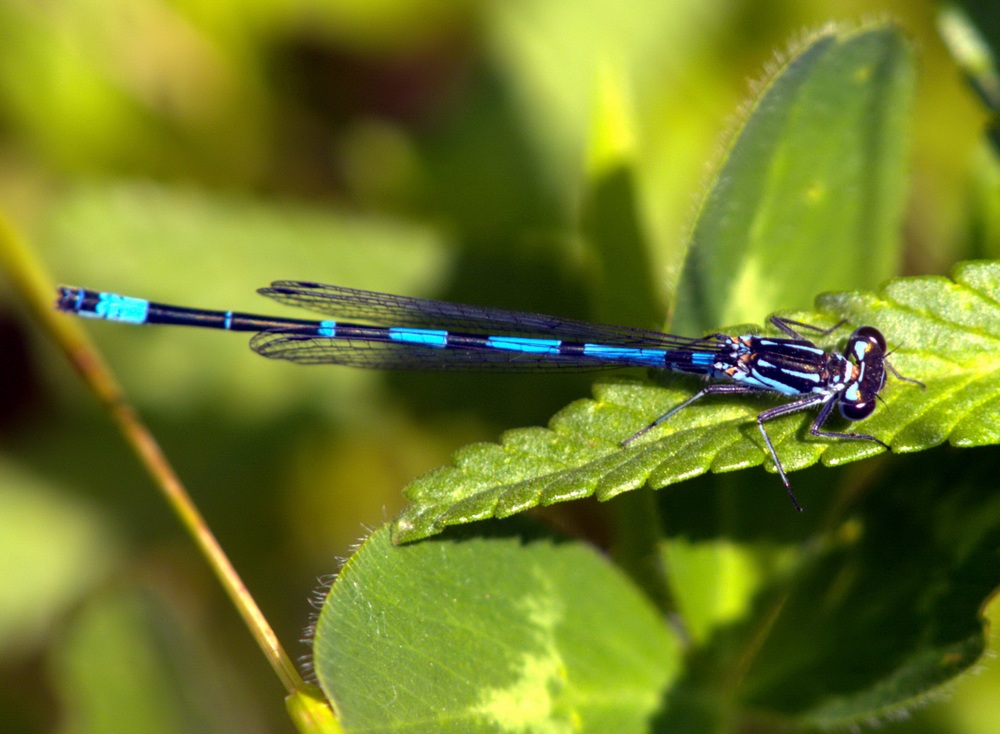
109	306
705	360
524	344
425	337
128	310
628	355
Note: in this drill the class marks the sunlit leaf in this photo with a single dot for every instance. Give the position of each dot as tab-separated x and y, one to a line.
511	631
880	607
947	336
810	195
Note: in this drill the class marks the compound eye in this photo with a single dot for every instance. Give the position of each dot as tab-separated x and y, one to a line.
857	411
870	335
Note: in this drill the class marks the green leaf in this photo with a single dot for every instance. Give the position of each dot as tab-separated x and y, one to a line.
816	174
878	606
946	333
128	661
56	547
610	214
515	631
969	30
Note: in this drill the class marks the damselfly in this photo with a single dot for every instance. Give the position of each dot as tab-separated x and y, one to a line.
419	333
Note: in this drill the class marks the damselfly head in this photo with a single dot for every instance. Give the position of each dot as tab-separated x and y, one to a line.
867	348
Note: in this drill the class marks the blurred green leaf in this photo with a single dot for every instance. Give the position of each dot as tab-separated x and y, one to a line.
182	246
880	606
130	87
948	337
811	192
54	549
714	580
552	55
970	31
126	664
511	630
610	220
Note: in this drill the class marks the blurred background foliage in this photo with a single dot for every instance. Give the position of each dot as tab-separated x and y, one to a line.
192	151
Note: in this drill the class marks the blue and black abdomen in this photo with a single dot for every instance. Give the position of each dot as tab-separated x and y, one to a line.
490	338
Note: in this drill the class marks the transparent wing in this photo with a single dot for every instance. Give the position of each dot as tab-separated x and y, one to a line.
392	310
307	348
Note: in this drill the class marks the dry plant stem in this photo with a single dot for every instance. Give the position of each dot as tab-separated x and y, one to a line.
136	433
36	289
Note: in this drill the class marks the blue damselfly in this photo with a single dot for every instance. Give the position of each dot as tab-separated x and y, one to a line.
419	333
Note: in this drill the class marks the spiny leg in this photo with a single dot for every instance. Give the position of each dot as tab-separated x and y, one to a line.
716	389
816	429
785	325
762	418
794	407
